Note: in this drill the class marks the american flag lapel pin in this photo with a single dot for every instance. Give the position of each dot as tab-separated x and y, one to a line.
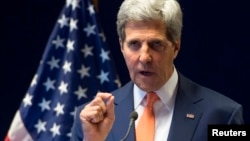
191	116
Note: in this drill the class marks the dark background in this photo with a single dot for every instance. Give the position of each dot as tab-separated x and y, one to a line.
214	52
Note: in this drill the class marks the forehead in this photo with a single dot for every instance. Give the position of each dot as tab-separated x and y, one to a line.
149	24
152	28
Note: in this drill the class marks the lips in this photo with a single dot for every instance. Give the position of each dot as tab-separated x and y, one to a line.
145	73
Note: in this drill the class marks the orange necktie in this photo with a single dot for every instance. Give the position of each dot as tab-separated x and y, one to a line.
146	125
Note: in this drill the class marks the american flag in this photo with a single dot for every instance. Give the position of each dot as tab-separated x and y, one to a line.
76	65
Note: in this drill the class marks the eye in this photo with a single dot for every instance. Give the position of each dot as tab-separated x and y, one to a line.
134	45
157	45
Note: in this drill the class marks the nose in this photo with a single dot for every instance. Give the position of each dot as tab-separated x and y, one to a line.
145	54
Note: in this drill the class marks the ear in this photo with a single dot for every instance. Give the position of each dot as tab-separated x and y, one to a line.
121	44
177	46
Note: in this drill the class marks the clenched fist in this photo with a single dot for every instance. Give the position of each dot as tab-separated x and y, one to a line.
97	117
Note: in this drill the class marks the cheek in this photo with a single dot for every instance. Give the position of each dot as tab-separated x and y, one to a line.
127	58
170	55
131	60
165	62
127	54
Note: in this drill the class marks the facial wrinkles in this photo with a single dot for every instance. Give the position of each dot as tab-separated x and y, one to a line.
144	32
148	68
144	55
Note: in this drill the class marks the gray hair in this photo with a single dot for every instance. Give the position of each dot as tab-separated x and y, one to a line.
168	11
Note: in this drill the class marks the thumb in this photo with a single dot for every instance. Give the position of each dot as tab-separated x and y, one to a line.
110	108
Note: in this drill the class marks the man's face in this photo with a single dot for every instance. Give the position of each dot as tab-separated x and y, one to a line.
148	53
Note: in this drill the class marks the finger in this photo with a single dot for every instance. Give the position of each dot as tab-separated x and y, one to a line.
96	110
98	101
103	95
92	113
107	107
110	107
97	117
101	100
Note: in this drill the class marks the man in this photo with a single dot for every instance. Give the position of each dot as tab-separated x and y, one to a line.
150	38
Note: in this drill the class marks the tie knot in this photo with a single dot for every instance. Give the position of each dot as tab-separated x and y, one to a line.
151	98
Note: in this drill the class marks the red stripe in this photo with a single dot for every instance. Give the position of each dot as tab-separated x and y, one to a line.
7	138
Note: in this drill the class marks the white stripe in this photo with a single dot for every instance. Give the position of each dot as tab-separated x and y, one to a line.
17	131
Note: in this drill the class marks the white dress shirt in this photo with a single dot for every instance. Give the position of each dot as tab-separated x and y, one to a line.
163	108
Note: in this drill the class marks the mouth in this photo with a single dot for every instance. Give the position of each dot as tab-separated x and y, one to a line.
146	73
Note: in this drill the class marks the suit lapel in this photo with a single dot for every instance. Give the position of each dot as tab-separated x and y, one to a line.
186	114
124	105
185	119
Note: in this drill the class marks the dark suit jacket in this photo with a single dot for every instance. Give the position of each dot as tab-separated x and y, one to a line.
207	106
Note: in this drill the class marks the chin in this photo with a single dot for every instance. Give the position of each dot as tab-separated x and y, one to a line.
146	87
